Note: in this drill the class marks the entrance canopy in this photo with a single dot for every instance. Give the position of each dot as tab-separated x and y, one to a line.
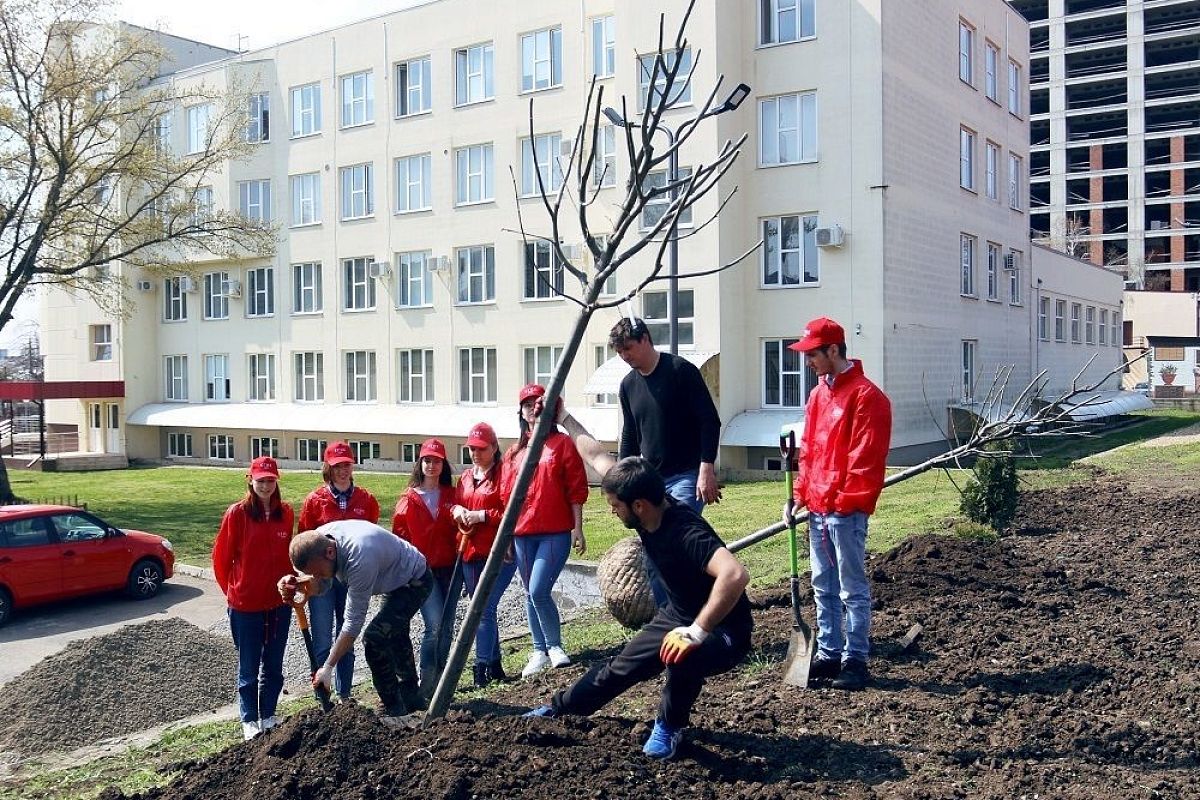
607	377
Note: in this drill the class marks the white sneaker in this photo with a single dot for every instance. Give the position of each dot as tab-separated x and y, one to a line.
250	730
559	657
268	723
537	662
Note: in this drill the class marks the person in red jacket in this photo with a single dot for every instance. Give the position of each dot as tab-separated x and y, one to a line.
477	510
550	523
249	557
840	471
337	498
423	518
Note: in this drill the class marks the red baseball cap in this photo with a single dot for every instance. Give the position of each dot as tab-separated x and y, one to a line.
481	435
338	453
264	467
433	447
820	332
532	390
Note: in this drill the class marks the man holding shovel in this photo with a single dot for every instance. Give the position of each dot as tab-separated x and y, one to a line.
842	459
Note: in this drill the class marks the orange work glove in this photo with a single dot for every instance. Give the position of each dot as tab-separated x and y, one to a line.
680	642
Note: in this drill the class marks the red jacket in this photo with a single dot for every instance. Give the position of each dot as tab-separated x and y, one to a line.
321	507
436	538
559	482
485	497
843	453
250	557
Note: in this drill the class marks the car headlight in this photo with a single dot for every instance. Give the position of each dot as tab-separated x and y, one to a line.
166	543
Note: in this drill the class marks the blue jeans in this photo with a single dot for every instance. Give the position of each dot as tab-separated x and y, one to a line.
540	560
837	544
325	614
487	637
260	638
682	487
433	658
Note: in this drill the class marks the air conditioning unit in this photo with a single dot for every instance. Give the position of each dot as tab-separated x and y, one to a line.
145	286
1010	261
833	236
186	284
1159	225
233	288
438	263
379	269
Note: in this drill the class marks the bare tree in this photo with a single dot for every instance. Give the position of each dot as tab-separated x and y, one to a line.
570	209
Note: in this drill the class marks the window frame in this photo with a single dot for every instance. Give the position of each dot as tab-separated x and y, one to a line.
991	71
100	349
995	258
306	197
356	91
991	162
406	281
357	186
805	128
307	284
1076	323
463	74
359	292
254	200
1043	329
530	45
179	445
966	158
198	122
683	83
260	384
260	300
532	362
604	168
484	175
1014	88
1089	325
216	295
468	374
486	273
1060	320
806	376
1015	168
220	443
408	378
174	299
970	368
308	371
405	89
403	166
258	125
1015	295
264	446
659	327
366	372
966	258
966	52
604	46
305	105
539	157
664	200
175	378
802	251
769	13
218	383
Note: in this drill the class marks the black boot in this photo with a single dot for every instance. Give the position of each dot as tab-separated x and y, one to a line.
481	674
496	672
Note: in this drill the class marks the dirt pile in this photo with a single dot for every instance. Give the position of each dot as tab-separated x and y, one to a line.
130	680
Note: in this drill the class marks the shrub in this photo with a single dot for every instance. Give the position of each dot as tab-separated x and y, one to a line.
990	497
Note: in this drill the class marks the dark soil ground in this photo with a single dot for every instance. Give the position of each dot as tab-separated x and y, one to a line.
1062	661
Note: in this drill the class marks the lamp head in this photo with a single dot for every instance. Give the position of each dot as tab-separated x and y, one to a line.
614	116
736	97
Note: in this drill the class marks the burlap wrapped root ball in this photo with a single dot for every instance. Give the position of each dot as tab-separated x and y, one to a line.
624	583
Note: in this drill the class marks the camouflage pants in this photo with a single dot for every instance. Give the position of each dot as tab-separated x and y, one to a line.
388	646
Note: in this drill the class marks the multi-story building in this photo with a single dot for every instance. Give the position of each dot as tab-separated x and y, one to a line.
885	172
1115	142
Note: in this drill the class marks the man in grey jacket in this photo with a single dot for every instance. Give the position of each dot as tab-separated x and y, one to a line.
369	560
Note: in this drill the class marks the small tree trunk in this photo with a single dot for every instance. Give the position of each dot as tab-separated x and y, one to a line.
6	492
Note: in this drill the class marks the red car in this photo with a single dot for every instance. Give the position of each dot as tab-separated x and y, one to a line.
50	553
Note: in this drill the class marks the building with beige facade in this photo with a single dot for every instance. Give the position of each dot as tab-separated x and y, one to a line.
885	171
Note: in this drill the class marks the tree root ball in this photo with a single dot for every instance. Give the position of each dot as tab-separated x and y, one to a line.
624	583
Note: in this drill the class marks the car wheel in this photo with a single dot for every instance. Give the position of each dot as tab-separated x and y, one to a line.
145	579
5	605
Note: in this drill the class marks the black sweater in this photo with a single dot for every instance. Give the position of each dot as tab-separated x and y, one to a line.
669	417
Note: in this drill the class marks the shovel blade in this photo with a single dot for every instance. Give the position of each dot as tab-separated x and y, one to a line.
801	648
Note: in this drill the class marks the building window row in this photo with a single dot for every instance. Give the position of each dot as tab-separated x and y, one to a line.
968	153
1063	320
992	66
226	447
1001	271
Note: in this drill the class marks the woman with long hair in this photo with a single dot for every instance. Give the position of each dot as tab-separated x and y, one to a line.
337	498
477	510
423	518
550	523
249	557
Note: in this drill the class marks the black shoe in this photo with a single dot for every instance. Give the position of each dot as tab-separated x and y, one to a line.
496	672
824	669
854	676
481	674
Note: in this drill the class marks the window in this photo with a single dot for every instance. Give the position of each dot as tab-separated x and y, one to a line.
602	354
175	298
310	377
415	371
464	456
1014	277
1116	332
968	368
966	52
357	194
358	99
260	292
262	377
358	287
994	256
473	183
254	200
1044	318
306	198
477	375
543	272
306	110
966	159
473	74
656	207
1076	313
991	65
785	21
991	165
1089	325
540	363
264	446
179	445
175	378
789	256
604	168
604	46
363	450
786	379
408	452
788	129
1060	326
609	289
414	187
541	59
220	447
415	283
101	339
360	376
216	378
202	206
539	161
967	262
216	295
414	93
1014	88
162	134
198	118
258	125
654	313
476	274
682	87
1014	181
1102	337
312	450
306	288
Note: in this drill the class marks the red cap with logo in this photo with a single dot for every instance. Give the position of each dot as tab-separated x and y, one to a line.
481	435
530	392
433	447
338	453
820	332
264	467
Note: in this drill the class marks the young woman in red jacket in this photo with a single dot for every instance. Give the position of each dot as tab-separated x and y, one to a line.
424	519
550	522
249	557
337	498
477	510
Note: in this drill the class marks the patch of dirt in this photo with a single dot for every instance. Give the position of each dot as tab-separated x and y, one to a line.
129	680
1059	662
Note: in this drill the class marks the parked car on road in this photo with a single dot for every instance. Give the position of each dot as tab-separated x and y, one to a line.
50	553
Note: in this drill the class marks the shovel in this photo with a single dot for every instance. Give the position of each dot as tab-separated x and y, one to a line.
446	629
802	645
302	619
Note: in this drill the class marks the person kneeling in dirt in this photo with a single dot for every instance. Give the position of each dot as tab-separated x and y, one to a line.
369	560
704	629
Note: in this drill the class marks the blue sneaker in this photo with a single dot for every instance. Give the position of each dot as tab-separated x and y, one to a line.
542	711
663	741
